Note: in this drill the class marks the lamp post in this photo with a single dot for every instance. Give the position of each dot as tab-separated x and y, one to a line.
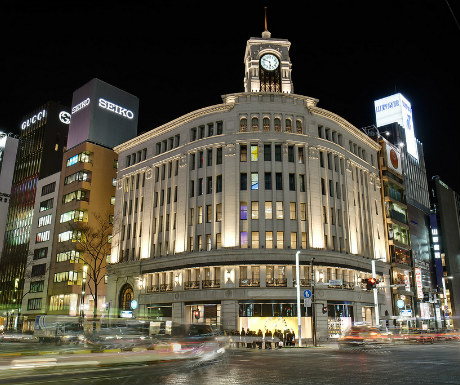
297	278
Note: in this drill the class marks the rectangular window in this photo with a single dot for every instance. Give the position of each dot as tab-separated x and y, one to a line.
71	255
291	154
218	240
267	152
321	158
268	181
82	157
324	214
79	195
279	181
243	181
279	210
74	215
302	183
200	214
303	211
304	240
200	159
34	304
243	210
300	155
268	210
323	186
208	213
209	157
243	153
291	182
190	217
255	210
219	212
37	286
331	188
329	161
208	242
255	239
254	152
243	239
280	239
332	216
192	189
46	205
292	210
209	185
200	186
49	188
293	240
218	183
269	239
40	253
254	181
193	134
38	270
45	220
219	155
43	236
278	157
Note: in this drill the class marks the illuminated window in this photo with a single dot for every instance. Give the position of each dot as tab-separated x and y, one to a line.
280	239
434	231
43	236
435	239
298	126
243	124
268	210
266	124
46	205
243	210
293	240
244	239
255	124
71	255
254	181
304	240
79	177
277	123
292	210
218	240
303	211
254	153
279	210
243	153
269	239
288	125
255	210
46	220
200	214
436	247
82	157
255	239
76	215
219	212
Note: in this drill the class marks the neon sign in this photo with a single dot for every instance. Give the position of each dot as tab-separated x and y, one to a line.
116	109
81	105
34	119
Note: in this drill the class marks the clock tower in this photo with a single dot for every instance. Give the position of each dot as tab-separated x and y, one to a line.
267	65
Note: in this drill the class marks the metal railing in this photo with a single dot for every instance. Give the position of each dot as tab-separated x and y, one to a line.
211	283
276	282
249	282
191	285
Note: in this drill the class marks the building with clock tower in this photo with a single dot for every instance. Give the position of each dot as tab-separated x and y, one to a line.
213	213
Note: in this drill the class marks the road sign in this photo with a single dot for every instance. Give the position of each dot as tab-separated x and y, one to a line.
307	302
307	294
400	303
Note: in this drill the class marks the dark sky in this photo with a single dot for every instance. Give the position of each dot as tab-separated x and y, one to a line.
177	58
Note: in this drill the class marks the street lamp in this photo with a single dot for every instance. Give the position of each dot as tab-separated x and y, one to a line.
297	278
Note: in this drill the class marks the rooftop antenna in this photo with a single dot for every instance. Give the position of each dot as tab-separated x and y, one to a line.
266	34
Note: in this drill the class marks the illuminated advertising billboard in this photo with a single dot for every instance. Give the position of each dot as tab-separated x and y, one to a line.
393	158
397	109
102	114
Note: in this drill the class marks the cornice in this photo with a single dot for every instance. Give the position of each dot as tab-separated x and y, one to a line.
344	124
173	124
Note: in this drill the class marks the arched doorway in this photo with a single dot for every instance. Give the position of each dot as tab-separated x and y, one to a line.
126	296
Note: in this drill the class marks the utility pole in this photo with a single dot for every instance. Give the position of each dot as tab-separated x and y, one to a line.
376	299
299	315
313	312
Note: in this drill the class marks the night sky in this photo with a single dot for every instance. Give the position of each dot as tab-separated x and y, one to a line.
177	58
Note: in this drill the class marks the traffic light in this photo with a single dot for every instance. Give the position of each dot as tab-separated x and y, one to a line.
196	313
371	283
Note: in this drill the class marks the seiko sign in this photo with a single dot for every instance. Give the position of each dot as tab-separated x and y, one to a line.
81	105
116	109
34	119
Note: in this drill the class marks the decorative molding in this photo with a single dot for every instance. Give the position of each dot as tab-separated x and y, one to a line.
183	160
313	152
230	149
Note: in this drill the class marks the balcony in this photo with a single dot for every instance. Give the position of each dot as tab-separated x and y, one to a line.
191	285
211	283
159	288
398	216
276	282
303	282
249	282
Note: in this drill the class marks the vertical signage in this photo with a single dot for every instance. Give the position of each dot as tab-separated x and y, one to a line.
407	280
418	282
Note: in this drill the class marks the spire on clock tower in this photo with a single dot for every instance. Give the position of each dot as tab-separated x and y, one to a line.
266	34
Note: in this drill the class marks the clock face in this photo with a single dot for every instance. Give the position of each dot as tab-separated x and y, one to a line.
269	62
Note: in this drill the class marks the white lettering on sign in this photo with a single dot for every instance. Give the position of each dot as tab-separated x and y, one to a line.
81	105
418	282
34	119
115	108
64	117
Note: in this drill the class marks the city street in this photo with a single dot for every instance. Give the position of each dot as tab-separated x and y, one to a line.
407	364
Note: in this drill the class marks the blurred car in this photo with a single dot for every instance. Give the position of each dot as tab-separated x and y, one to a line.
364	336
420	336
202	342
448	335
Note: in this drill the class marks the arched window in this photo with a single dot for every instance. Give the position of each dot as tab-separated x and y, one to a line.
126	296
266	123
288	125
255	124
298	126
243	124
278	124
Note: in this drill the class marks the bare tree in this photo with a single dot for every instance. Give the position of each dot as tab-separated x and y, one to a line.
93	242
